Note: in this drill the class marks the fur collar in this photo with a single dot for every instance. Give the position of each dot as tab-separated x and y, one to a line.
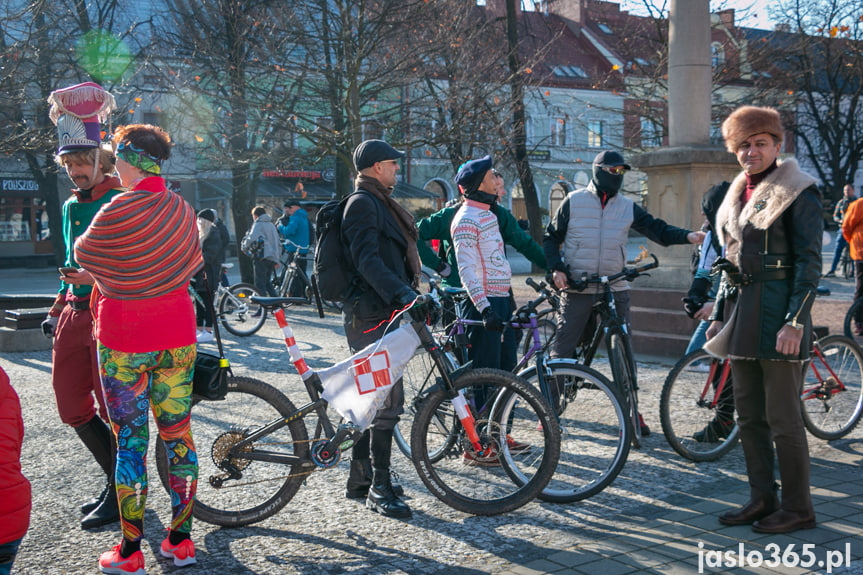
769	200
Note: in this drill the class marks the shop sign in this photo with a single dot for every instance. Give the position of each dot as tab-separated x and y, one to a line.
16	185
293	174
539	154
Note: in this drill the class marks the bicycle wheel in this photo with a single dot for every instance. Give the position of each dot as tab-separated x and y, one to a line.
849	326
238	314
847	265
515	422
594	431
623	372
546	328
260	489
418	379
832	398
685	407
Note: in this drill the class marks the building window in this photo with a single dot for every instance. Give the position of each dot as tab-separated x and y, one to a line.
718	55
651	134
557	133
595	137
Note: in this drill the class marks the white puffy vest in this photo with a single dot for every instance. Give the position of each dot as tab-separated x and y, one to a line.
595	237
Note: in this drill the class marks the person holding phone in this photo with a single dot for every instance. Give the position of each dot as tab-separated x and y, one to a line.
141	251
75	368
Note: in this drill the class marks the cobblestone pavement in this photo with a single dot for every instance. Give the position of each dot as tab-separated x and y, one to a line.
657	516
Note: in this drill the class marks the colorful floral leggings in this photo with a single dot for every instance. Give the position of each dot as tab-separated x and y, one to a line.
161	380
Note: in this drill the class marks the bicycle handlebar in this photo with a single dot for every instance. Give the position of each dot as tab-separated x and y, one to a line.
627	273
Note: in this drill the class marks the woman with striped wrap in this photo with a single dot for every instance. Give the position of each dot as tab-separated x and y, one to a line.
140	251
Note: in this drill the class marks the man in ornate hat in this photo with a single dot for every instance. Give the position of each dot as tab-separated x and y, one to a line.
588	234
770	224
77	111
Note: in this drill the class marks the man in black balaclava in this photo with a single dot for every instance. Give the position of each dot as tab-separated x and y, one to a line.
588	234
608	170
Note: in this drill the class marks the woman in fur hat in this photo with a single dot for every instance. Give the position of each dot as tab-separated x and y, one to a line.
770	223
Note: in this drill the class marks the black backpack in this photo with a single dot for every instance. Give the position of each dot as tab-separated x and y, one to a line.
333	270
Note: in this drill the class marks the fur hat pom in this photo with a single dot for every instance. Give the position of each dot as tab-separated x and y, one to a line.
746	121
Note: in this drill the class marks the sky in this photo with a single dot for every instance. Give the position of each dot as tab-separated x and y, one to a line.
749	13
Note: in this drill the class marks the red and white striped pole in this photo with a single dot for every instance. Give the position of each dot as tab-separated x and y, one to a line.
294	351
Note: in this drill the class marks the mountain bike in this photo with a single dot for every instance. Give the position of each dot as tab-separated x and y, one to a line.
255	451
594	442
612	327
234	307
294	273
699	386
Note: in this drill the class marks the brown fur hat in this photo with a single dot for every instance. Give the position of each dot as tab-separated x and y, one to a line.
746	121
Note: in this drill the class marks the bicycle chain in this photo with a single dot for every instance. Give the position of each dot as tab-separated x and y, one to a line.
279	478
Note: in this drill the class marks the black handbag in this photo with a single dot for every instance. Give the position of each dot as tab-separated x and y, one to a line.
210	378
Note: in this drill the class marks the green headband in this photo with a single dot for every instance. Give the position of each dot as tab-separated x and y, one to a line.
139	158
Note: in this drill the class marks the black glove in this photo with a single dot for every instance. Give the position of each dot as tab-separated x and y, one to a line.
692	305
490	320
697	296
49	325
418	312
443	269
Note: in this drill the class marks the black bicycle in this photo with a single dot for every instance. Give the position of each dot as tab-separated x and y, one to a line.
293	274
255	451
613	329
595	436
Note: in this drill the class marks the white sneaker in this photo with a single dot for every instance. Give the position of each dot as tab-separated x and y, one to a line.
205	336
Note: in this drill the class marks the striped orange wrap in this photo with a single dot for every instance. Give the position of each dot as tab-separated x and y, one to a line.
143	244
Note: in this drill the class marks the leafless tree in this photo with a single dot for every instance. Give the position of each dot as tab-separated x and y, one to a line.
811	68
41	52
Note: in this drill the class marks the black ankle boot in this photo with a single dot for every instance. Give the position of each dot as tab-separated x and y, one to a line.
107	512
360	480
382	499
86	508
99	440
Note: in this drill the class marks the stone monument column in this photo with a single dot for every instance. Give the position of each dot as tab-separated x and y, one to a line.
678	176
689	74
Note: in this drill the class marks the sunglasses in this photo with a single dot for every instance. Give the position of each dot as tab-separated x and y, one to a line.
497	174
614	170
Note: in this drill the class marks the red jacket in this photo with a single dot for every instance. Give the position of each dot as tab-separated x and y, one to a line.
14	487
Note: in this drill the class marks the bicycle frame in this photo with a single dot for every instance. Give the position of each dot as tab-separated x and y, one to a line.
328	442
825	388
458	337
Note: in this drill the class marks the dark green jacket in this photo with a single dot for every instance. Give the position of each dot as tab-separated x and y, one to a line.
437	227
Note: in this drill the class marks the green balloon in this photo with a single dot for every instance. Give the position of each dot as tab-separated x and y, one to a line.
103	55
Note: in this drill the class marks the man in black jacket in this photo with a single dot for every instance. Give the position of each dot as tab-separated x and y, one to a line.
379	238
770	224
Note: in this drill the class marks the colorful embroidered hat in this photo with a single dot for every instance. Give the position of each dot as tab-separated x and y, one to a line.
77	112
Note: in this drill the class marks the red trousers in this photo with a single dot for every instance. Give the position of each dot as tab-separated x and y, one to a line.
75	371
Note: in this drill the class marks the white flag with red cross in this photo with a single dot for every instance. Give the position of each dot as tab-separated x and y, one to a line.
358	386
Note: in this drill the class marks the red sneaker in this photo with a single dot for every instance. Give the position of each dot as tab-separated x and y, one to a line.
183	554
516	446
112	562
490	460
